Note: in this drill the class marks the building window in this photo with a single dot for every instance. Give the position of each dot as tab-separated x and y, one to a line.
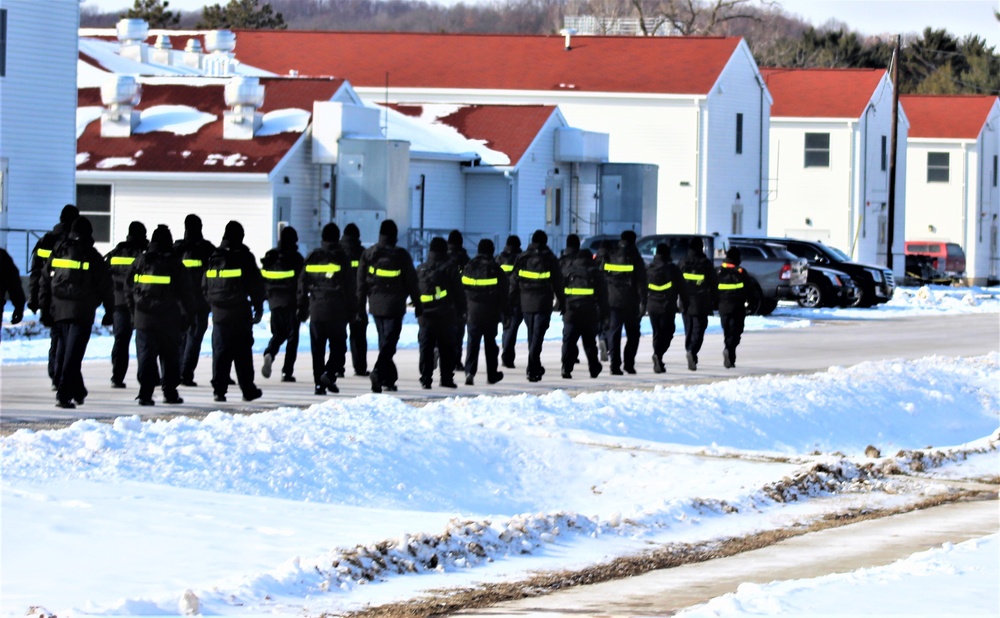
885	152
817	150
994	170
3	42
739	133
94	202
937	166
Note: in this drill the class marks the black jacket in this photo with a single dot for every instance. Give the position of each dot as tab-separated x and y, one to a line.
536	280
120	261
281	268
507	257
735	288
327	286
10	282
159	290
386	276
441	293
39	259
700	282
458	256
625	271
486	291
194	252
233	285
585	288
78	257
665	285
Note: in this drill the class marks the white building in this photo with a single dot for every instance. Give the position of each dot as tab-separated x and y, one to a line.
38	56
951	182
830	136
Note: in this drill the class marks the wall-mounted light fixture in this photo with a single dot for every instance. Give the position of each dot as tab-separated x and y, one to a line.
931	229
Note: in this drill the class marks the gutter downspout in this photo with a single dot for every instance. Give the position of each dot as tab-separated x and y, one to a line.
852	202
699	153
965	201
760	156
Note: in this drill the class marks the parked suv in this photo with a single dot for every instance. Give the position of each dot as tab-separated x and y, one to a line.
678	244
946	257
876	283
828	287
779	273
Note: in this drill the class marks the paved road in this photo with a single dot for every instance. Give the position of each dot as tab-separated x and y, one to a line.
25	396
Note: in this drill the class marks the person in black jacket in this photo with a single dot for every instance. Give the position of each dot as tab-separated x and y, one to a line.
699	280
586	303
10	286
350	243
120	261
735	290
161	299
327	300
666	290
281	268
512	321
234	289
443	300
535	282
486	293
39	261
194	252
459	257
625	272
604	249
73	284
386	276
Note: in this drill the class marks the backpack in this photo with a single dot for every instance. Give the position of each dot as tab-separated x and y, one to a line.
534	271
433	283
385	260
70	271
480	280
224	277
278	269
730	283
152	287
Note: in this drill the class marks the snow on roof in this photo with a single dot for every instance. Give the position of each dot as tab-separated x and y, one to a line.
947	116
821	93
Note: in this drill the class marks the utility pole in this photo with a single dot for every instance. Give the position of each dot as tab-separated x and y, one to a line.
892	154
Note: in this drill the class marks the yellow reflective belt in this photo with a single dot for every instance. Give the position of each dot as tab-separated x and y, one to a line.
44	253
578	291
323	268
437	295
661	288
355	263
507	268
152	279
378	272
192	263
73	264
619	268
528	274
224	274
471	281
698	279
117	260
277	274
730	286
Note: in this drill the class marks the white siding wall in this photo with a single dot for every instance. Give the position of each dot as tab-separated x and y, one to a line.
984	257
38	116
487	206
937	205
533	172
303	187
444	194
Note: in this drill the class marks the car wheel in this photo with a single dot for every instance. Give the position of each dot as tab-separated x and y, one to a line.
767	306
866	297
811	296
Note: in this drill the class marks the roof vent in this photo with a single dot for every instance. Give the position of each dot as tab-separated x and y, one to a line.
192	53
220	45
243	95
132	35
120	94
568	33
161	50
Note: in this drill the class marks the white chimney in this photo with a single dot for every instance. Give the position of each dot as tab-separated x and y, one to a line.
244	95
120	94
220	60
132	35
161	50
192	53
568	34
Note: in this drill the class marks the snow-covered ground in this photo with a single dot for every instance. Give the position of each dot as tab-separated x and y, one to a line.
362	501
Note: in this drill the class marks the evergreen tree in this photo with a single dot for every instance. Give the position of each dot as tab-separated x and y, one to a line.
154	12
241	14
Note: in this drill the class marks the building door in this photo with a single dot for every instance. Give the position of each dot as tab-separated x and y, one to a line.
282	216
555	215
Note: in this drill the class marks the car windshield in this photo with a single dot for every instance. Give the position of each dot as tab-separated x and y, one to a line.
837	253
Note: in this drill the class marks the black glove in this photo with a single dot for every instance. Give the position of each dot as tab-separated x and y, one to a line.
108	319
46	318
15	317
258	314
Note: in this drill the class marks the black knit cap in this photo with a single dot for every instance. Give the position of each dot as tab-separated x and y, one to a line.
572	241
455	238
389	229
331	233
539	237
162	236
663	249
696	245
628	236
192	223
234	232
136	231
514	241
288	236
352	231
486	247
82	227
69	214
438	245
733	256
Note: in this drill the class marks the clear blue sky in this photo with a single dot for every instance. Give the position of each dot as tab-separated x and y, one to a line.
960	17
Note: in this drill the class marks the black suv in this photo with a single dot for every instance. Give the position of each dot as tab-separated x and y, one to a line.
875	283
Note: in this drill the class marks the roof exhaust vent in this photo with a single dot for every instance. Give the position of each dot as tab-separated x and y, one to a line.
192	53
568	33
132	35
244	95
161	50
120	94
220	45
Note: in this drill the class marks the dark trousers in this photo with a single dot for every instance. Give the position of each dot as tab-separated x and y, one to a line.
72	341
586	333
457	335
158	350
732	330
537	324
487	333
694	333
359	345
436	331
232	345
191	344
325	334
122	329
55	335
510	329
629	318
663	332
285	328
388	329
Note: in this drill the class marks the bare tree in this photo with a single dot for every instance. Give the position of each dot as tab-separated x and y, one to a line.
695	17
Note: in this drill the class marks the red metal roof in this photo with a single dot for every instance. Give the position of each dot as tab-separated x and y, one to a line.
673	65
947	116
821	93
509	129
163	151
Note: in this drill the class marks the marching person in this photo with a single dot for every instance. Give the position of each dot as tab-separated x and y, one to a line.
604	249
281	268
735	291
486	293
161	299
234	289
74	282
535	282
327	300
120	261
386	276
194	252
350	243
585	305
666	292
10	287
443	301
699	280
625	272
459	257
514	317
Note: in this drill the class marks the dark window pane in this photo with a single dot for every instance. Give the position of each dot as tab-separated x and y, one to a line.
739	133
93	198
885	152
101	224
937	167
818	140
937	159
3	42
817	159
817	152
